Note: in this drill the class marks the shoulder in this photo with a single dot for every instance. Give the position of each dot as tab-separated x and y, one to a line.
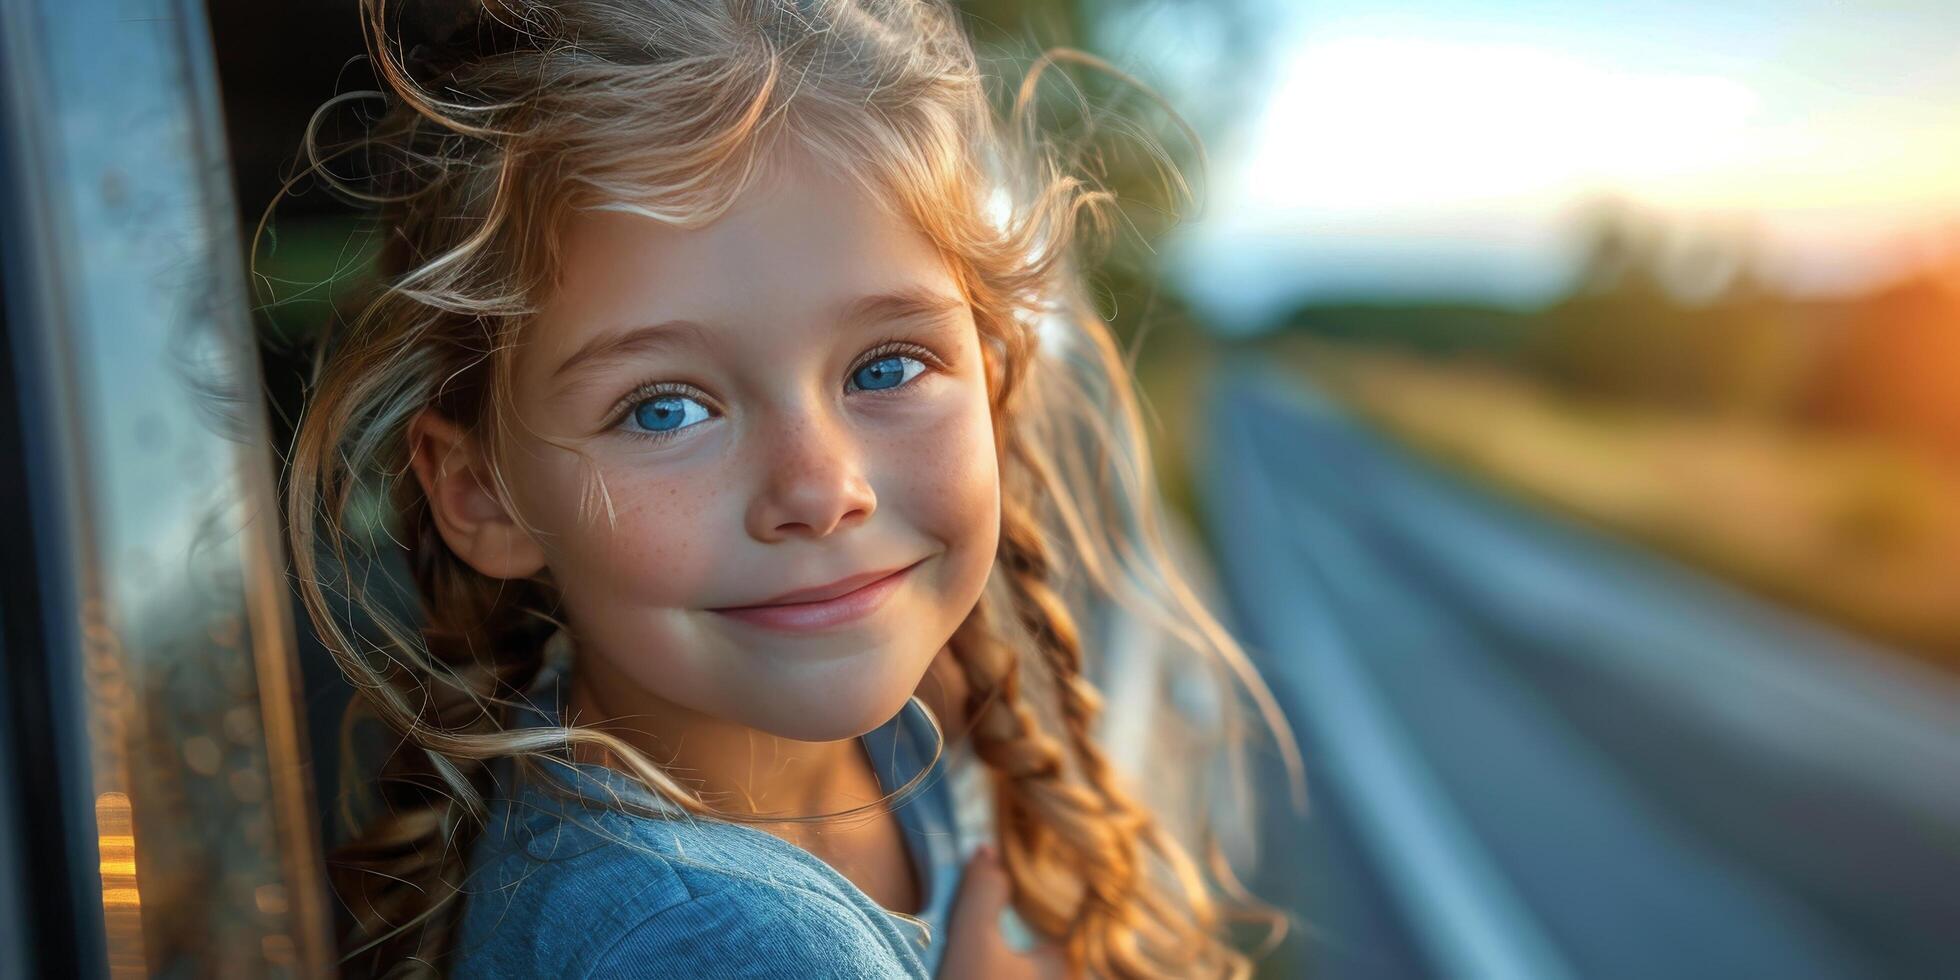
600	893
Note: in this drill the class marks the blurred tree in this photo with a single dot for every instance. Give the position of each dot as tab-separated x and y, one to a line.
1675	319
1207	60
1610	336
1893	366
1437	330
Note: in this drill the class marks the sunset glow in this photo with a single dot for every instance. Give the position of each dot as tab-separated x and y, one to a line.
1447	147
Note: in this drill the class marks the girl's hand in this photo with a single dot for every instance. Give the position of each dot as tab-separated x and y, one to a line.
976	948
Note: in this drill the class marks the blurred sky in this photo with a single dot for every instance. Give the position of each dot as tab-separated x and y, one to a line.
1445	148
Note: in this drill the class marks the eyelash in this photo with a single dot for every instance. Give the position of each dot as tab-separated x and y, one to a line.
883	349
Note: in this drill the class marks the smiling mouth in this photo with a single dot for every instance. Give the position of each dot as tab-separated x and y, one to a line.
830	605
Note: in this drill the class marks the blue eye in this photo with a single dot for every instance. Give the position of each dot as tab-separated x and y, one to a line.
667	413
889	371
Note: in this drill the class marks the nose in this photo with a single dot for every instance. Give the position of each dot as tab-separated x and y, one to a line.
814	482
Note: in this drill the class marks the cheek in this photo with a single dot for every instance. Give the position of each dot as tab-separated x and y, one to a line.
652	543
945	480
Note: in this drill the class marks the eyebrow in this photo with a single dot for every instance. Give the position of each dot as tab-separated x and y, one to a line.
905	303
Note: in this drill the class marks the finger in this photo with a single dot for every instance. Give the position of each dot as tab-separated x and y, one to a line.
973	945
984	890
985	938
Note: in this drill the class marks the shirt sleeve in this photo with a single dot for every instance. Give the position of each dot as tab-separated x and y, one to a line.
753	934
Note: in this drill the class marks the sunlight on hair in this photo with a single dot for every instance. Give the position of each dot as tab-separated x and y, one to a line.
569	108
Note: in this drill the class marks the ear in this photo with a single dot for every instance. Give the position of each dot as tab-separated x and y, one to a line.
454	474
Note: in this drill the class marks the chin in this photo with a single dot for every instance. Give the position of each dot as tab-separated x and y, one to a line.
829	698
839	719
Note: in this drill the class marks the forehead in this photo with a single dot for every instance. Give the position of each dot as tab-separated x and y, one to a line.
792	249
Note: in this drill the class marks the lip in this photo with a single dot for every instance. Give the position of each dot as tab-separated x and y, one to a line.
825	606
842	586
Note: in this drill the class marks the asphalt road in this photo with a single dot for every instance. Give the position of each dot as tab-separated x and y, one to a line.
1539	752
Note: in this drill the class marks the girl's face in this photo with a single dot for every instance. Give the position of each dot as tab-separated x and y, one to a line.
789	400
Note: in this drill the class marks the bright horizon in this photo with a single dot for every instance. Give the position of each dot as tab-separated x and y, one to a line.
1443	147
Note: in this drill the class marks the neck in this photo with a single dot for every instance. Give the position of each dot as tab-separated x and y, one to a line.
733	768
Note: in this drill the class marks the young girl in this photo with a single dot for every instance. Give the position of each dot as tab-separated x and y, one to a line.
750	442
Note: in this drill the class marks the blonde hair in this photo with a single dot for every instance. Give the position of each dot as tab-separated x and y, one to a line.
671	109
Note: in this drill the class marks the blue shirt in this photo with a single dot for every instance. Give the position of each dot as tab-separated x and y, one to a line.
578	888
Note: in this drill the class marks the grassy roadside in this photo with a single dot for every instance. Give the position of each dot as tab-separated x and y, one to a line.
1859	533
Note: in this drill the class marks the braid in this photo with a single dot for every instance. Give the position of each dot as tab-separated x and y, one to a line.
1071	836
471	166
1042	611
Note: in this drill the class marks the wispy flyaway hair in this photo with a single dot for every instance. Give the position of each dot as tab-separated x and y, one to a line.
515	114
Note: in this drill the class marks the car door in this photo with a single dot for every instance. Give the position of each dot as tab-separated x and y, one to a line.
155	811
